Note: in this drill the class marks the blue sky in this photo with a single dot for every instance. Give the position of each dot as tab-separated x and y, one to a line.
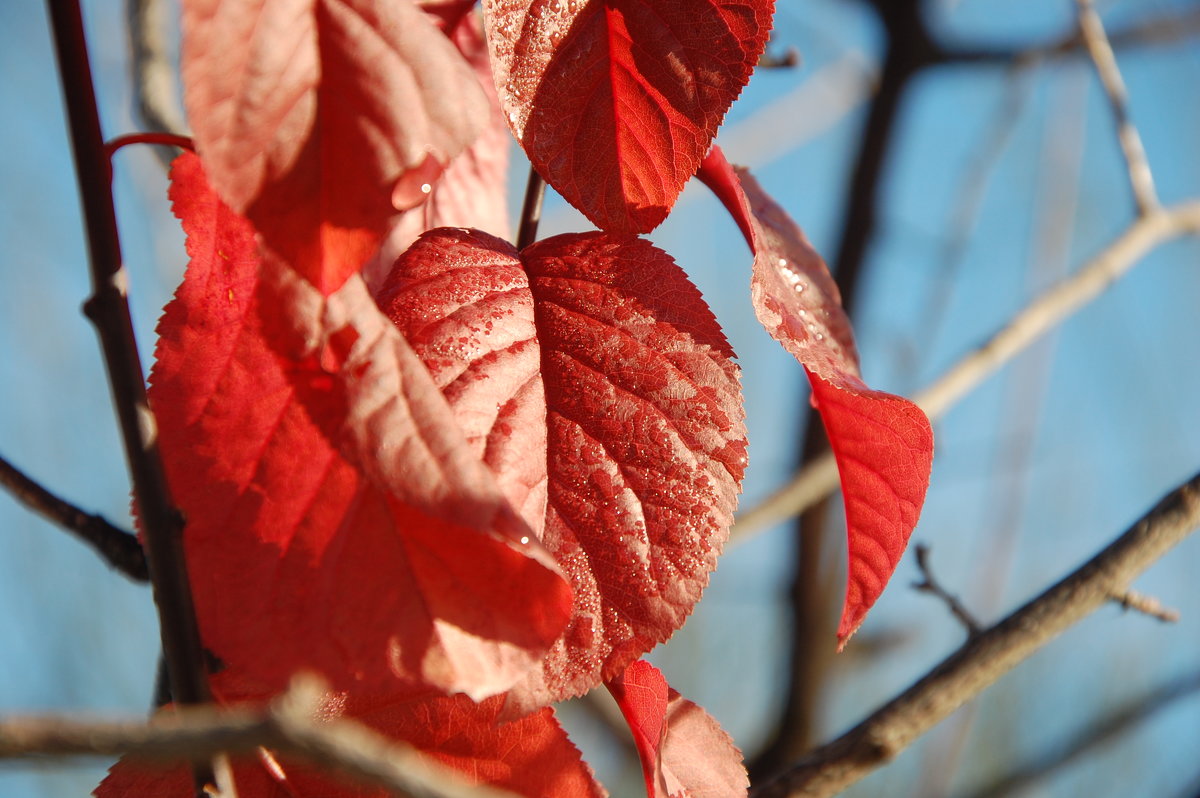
1105	408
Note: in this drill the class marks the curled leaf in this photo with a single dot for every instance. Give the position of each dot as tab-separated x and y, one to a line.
684	752
883	443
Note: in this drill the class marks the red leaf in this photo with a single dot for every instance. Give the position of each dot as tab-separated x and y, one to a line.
617	101
531	756
407	564
684	752
319	120
883	443
634	422
472	192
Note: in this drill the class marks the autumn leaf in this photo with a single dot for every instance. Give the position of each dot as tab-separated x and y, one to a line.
590	376
531	756
409	565
320	119
684	752
472	192
883	443
616	101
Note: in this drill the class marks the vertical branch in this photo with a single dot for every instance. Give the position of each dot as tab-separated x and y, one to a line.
531	209
108	308
1099	48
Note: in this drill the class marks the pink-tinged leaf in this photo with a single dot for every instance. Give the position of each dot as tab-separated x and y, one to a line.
883	443
617	101
596	383
473	190
531	756
306	554
684	752
320	119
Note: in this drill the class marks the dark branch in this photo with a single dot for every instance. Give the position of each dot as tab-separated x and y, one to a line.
108	308
531	209
929	584
119	548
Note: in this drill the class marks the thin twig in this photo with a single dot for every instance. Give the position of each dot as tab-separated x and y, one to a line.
108	309
929	584
1147	605
287	728
986	657
1100	49
1046	311
120	549
789	58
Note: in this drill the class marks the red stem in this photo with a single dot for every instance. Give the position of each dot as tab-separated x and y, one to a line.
164	139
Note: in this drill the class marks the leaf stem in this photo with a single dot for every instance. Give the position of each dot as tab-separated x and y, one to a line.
161	139
108	309
531	210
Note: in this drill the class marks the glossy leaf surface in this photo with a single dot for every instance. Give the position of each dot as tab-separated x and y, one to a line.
617	101
592	378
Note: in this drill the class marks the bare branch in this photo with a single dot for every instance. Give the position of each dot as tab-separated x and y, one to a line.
1049	309
1100	49
119	548
985	658
929	584
286	728
108	308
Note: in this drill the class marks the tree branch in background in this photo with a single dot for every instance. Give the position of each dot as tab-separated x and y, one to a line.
154	89
119	548
819	479
1150	31
108	309
813	594
986	657
286	728
1100	50
929	584
1094	733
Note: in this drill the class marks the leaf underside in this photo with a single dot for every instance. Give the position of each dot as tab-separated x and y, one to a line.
684	752
883	443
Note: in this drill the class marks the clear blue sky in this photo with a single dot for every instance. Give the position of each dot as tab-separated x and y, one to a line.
1036	470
